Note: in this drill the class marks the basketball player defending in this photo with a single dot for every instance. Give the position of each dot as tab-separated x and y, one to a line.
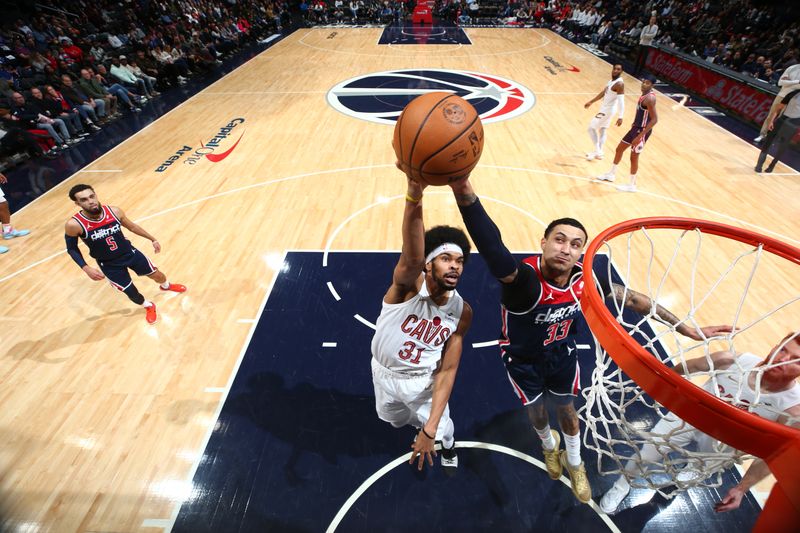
100	228
419	334
779	399
613	97
643	123
540	317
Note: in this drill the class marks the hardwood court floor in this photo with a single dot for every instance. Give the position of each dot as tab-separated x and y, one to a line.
104	418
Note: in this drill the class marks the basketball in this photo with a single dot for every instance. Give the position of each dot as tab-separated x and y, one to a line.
438	138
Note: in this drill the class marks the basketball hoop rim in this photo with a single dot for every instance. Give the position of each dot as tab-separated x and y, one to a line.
741	429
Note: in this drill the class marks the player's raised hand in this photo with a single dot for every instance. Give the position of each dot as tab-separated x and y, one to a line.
708	332
156	247
93	273
423	448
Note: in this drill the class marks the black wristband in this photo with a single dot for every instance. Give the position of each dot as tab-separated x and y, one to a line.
426	433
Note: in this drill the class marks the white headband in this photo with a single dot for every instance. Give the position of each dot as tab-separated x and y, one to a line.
445	248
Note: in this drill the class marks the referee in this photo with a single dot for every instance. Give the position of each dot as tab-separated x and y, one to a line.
781	130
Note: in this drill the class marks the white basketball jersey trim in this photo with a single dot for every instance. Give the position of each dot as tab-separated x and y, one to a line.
409	336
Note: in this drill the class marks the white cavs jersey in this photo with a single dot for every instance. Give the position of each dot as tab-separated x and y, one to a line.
608	105
409	336
770	404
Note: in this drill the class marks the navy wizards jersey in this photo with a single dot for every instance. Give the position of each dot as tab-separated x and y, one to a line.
551	324
104	237
642	118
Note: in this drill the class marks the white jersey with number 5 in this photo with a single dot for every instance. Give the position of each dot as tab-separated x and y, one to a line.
409	336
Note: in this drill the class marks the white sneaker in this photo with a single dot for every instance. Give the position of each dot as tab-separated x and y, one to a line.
611	499
591	155
630	187
758	139
608	176
449	459
599	155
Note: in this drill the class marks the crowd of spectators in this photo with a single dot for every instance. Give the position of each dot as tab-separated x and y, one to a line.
756	40
70	67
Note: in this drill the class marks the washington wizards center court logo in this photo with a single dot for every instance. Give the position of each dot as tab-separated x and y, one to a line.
381	97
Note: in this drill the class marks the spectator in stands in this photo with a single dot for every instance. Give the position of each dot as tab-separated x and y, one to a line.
84	111
93	109
646	37
52	109
750	66
126	77
30	118
14	138
133	68
127	97
94	89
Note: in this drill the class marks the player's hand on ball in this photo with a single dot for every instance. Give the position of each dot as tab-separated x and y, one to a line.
424	448
93	273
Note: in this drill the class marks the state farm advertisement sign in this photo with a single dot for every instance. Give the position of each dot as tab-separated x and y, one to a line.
740	98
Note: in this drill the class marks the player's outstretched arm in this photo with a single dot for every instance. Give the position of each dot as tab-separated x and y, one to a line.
643	305
758	469
73	230
407	277
595	99
443	380
720	360
484	232
135	228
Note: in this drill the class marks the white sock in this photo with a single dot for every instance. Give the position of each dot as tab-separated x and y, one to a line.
602	140
573	445
633	179
147	303
593	136
613	169
165	285
548	442
7	228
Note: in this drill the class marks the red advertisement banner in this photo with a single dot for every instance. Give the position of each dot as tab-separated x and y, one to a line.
729	93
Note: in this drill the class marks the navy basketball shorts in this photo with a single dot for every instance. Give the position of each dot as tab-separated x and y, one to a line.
632	133
116	270
554	373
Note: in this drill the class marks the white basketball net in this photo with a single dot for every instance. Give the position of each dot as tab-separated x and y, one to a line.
703	280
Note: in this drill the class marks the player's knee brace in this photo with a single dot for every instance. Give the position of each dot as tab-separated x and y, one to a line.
134	295
488	240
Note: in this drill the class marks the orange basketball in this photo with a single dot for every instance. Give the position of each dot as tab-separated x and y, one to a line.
438	138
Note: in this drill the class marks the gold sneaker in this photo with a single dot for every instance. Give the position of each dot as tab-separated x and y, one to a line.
551	458
577	476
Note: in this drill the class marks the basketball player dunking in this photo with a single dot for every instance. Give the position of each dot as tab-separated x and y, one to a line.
100	228
643	123
613	97
419	334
